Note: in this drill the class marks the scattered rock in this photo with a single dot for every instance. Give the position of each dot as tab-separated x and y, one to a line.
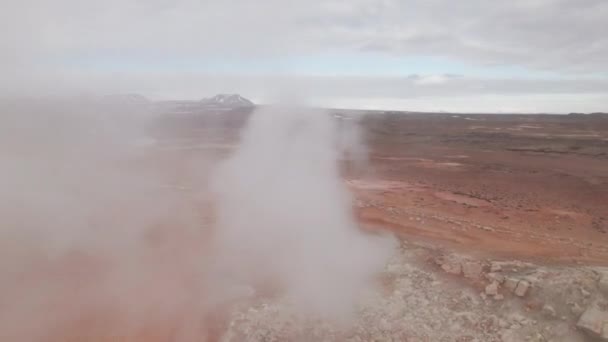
492	289
549	311
472	269
594	322
534	304
576	309
449	310
518	318
603	283
495	267
585	293
493	276
452	267
522	288
538	337
532	279
511	284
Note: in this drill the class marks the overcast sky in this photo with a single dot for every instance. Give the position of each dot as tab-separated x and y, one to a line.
467	55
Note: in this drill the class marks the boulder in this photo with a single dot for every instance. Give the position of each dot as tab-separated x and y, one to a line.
472	269
450	265
495	267
522	288
493	276
492	289
594	322
511	284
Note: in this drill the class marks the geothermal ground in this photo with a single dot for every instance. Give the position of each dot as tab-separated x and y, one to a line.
503	221
533	187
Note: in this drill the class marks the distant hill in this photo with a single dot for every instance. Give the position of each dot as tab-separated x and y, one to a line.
590	114
126	100
227	101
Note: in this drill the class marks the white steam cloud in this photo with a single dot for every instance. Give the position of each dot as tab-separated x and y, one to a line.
97	245
285	214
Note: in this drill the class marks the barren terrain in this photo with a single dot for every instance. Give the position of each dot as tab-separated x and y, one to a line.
504	226
502	222
522	186
527	191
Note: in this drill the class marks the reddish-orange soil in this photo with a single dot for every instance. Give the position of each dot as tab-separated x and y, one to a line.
524	186
521	186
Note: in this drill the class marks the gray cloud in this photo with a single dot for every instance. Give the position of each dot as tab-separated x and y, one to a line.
43	43
561	34
551	34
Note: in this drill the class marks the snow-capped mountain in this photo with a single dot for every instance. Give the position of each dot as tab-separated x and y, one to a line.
227	101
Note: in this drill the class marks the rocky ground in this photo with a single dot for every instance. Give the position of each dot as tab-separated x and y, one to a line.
430	295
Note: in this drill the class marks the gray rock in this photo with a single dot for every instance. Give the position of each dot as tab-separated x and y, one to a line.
492	289
451	267
472	269
577	309
511	284
594	322
493	276
549	311
522	288
495	267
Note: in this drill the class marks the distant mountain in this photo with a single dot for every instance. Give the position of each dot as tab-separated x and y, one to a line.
227	101
126	100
